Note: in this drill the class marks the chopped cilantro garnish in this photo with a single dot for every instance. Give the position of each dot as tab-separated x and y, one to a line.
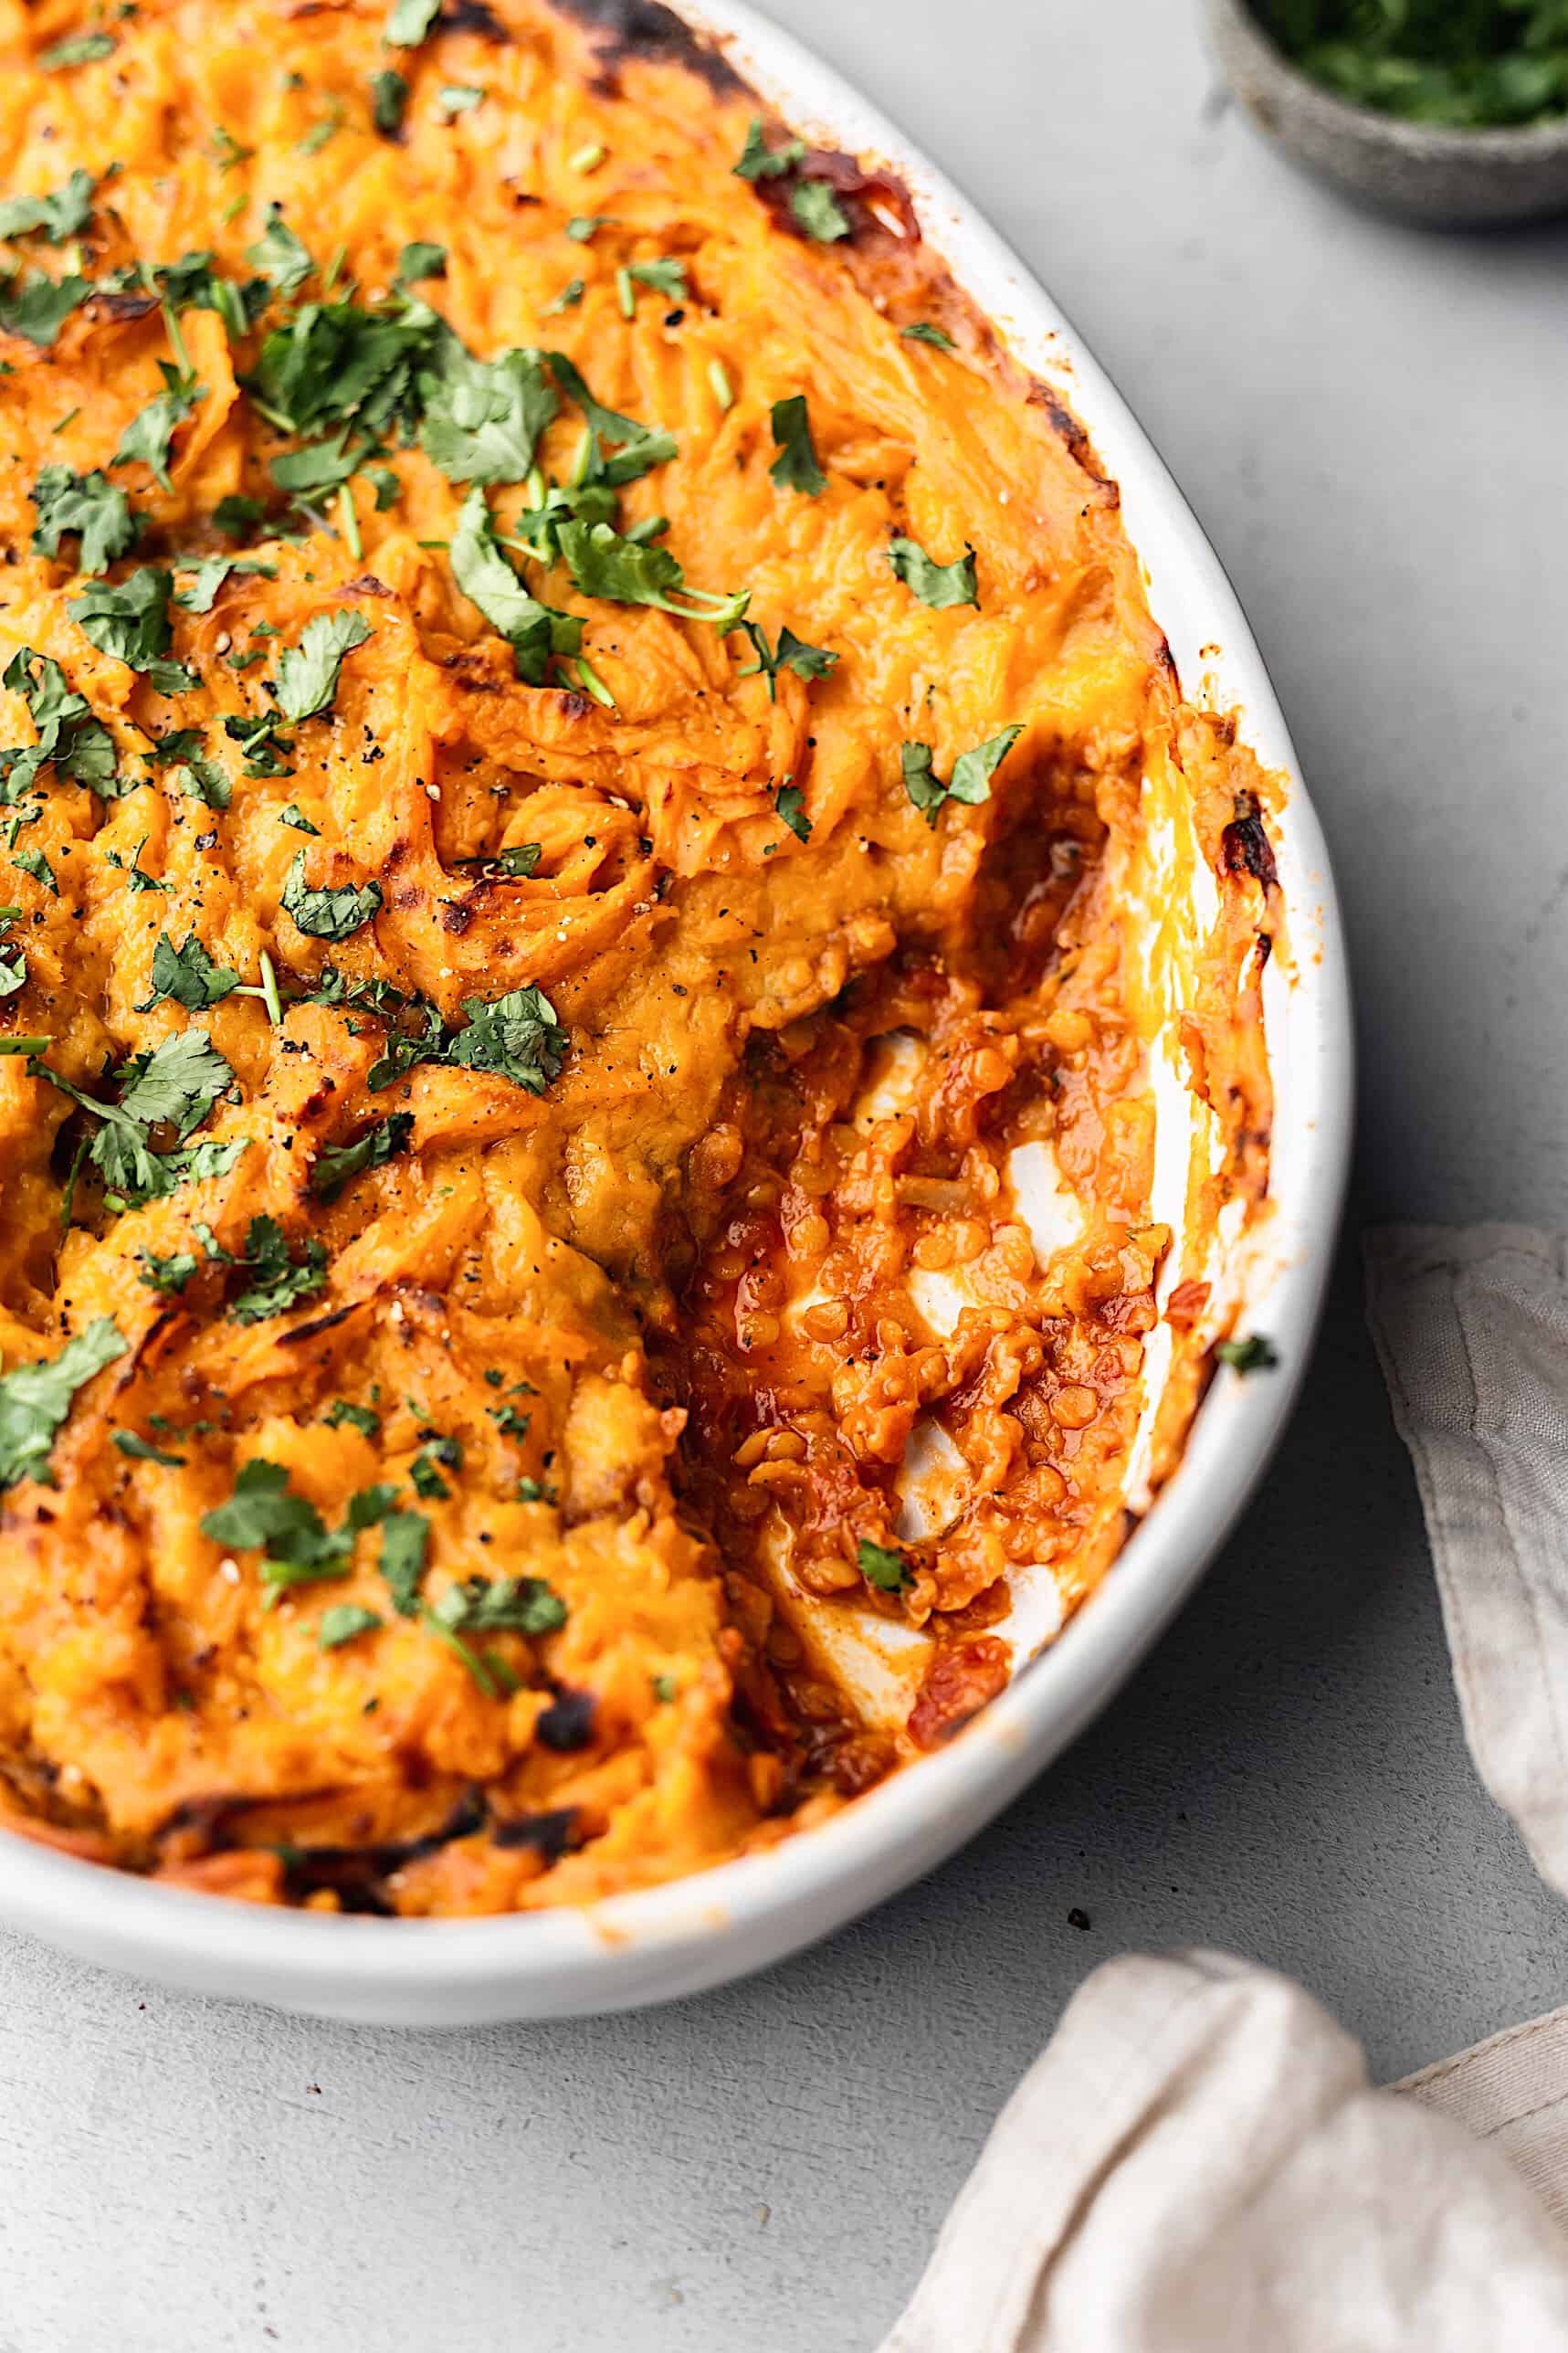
35	1398
208	577
483	417
936	585
508	1421
175	1086
643	446
628	572
790	803
64	215
887	1570
69	737
88	503
337	1164
168	1276
818	211
265	751
534	631
388	102
265	1515
150	433
971	774
570	294
328	914
80	50
188	974
758	161
36	308
343	1622
455	98
294	818
132	622
1253	1354
923	332
514	1037
279	1280
404	1543
141	1449
795	467
235	516
33	862
308	673
790	653
410	22
666	277
516	1605
419	260
13	960
279	254
356	1417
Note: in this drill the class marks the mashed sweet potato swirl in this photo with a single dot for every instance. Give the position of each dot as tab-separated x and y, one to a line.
571	723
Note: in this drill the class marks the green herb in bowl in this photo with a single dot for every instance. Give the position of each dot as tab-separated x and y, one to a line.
1463	64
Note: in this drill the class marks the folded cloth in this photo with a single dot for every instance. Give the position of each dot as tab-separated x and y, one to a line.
1472	1328
1198	2163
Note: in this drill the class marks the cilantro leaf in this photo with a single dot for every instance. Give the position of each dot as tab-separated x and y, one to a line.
335	1166
278	1281
483	417
972	773
645	446
936	585
534	631
344	1622
167	1276
888	1571
265	1515
404	1542
88	503
36	308
141	1449
208	577
13	960
516	1037
795	467
791	653
308	673
235	516
180	751
279	254
80	50
410	22
666	276
356	1417
130	621
758	161
35	1400
419	260
188	974
70	736
62	216
265	751
632	572
328	914
455	98
338	361
148	436
818	211
176	1084
516	1605
923	332
33	862
790	803
1253	1354
388	102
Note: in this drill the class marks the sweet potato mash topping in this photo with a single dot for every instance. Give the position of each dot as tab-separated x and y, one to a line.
576	1127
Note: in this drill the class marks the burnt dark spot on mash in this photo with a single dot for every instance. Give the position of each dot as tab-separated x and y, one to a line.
641	28
457	915
354	1875
1065	424
568	1722
551	1834
1246	849
318	1325
367	585
473	16
870	201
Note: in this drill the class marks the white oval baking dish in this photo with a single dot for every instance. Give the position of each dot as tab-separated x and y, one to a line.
698	1932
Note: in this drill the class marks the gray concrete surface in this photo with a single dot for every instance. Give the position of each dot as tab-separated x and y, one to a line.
1371	425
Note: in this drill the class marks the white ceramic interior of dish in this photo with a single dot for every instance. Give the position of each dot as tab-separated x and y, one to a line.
677	1939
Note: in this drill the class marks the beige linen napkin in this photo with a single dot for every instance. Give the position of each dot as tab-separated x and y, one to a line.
1198	2163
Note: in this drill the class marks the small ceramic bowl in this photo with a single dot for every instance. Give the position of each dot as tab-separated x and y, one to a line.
1445	178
